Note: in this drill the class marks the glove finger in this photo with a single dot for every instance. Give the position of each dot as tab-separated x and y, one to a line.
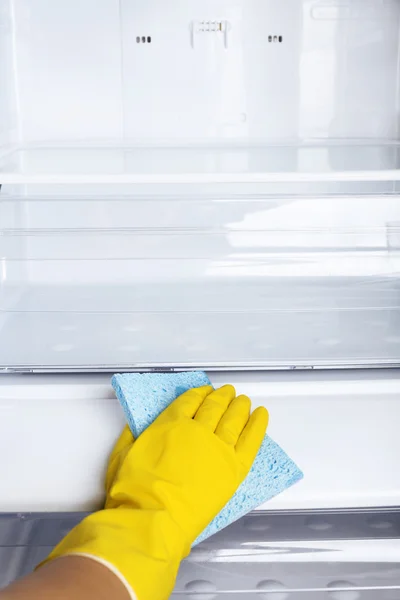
187	404
234	420
119	452
214	406
252	436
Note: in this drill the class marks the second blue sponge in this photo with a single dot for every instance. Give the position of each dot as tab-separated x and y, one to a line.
144	396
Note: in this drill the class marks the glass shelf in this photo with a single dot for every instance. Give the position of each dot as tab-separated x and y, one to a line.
254	163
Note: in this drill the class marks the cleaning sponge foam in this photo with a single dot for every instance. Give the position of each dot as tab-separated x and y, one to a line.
144	396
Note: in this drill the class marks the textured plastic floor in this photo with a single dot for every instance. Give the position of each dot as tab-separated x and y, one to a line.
350	555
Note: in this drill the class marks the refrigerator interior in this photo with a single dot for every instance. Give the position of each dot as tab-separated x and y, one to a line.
218	177
208	184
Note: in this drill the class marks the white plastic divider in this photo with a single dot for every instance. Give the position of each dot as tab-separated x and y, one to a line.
340	427
195	162
10	178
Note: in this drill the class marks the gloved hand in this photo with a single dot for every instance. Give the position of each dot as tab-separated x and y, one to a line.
166	487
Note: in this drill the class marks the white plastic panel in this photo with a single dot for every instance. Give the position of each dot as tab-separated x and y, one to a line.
235	163
202	91
341	429
9	106
334	74
68	66
332	71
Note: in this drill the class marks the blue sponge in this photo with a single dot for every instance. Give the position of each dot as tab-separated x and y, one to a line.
144	396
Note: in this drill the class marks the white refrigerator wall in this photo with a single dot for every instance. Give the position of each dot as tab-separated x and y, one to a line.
68	63
9	105
211	71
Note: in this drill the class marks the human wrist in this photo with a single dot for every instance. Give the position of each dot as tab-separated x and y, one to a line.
143	546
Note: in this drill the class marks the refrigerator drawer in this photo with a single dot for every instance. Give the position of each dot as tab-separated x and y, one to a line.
243	282
322	555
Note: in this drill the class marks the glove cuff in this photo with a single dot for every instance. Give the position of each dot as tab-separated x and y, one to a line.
109	566
143	548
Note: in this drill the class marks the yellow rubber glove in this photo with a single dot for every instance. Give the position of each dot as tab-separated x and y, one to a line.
166	487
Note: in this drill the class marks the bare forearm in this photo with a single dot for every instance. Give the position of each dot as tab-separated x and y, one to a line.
69	578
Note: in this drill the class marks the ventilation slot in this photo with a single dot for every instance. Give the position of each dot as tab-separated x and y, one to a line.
143	39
